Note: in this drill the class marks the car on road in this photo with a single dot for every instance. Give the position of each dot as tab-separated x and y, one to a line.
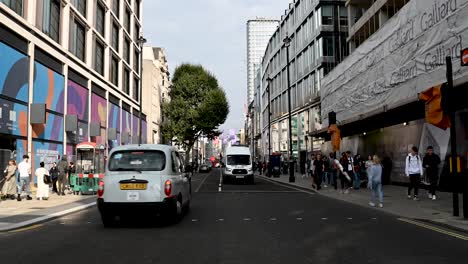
204	168
238	164
146	179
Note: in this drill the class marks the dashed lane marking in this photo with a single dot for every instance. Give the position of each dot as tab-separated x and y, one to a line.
202	182
350	218
247	219
299	219
324	218
273	219
221	219
433	228
194	220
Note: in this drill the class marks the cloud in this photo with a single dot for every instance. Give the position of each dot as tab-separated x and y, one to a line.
211	33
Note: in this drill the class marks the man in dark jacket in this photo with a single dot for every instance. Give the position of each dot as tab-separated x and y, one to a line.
62	178
54	174
431	163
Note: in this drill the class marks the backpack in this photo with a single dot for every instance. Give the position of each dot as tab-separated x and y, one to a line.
409	158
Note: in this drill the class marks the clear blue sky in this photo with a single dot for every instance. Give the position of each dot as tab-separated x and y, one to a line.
211	33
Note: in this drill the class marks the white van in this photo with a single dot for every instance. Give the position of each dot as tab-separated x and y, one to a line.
238	164
149	179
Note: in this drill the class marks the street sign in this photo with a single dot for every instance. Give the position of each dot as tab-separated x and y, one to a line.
464	57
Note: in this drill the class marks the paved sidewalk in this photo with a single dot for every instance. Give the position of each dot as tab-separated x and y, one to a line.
14	214
395	202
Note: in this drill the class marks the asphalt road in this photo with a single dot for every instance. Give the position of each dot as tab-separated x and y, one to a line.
261	223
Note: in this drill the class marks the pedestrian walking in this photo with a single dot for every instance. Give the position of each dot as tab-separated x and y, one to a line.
357	171
345	179
9	186
62	177
431	163
326	175
24	169
333	172
375	181
42	177
348	166
71	170
413	170
54	174
319	169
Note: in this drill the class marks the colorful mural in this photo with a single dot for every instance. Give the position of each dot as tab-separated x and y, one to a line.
126	121
77	101
98	109
144	131
114	122
135	128
46	79
46	152
14	69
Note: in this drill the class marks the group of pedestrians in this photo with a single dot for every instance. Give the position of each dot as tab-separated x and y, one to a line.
17	179
350	172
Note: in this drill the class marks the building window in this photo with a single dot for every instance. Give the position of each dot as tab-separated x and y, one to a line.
136	60
328	46
114	70
136	32
126	51
137	8
100	16
135	89
115	7
80	5
115	36
327	15
126	81
127	20
99	57
77	39
343	16
48	18
15	5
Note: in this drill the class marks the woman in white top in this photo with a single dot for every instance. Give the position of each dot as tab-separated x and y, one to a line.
42	188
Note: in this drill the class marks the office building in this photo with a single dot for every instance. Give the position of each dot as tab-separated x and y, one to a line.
156	85
259	31
69	73
399	53
318	32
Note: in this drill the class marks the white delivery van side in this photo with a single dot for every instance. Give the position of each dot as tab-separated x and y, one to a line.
238	164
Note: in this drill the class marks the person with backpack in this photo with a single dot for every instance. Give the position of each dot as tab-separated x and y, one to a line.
413	170
431	163
375	181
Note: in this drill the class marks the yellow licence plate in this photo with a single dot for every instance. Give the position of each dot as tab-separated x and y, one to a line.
133	186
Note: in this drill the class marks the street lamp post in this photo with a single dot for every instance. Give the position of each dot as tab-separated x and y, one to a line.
287	43
141	42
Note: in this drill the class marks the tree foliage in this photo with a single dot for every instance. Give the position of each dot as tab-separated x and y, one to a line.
197	107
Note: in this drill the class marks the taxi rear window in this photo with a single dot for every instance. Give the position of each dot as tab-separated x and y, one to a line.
140	160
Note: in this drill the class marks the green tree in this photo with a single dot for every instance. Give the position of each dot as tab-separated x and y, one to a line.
197	107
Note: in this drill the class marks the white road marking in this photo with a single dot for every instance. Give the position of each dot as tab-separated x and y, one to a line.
324	218
374	218
203	181
299	219
220	186
247	219
221	219
350	218
194	220
273	219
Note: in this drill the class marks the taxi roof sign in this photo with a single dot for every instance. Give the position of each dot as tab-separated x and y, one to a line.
464	57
